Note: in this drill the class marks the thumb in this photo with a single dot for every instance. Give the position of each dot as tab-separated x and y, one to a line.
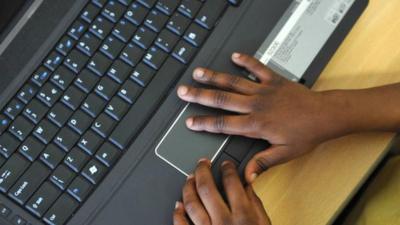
262	161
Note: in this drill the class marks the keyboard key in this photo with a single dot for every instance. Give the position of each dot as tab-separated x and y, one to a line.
76	159
142	74
119	71
35	111
43	199
80	121
113	11
53	61
101	27
155	20
178	24
196	35
166	40
90	12
80	188
11	171
8	145
76	61
88	44
184	52
65	45
45	131
126	2
77	29
86	81
62	77
59	114
104	125
167	6
130	91
4	123
210	12
62	177
108	154
27	92
90	142
29	182
18	220
189	8
73	97
52	156
132	54
4	211
144	37
94	171
31	148
117	108
99	64
133	121
14	108
155	57
136	14
66	139
106	88
124	30
100	3
40	76
93	105
49	94
21	128
111	47
148	3
60	212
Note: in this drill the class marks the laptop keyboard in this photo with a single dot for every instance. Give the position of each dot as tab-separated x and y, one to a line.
76	115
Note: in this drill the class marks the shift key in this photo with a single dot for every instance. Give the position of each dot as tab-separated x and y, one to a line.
29	182
11	171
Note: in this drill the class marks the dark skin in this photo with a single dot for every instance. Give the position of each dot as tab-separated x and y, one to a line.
294	119
204	205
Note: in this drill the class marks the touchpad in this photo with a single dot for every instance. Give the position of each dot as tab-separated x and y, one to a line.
182	148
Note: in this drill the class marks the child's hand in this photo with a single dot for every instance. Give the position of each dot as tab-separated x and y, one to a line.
291	117
203	204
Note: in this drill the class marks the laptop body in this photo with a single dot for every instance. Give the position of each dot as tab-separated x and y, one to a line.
143	185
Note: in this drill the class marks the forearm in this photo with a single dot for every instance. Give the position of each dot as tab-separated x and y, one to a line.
374	109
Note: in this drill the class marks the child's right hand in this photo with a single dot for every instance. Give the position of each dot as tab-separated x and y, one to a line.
291	117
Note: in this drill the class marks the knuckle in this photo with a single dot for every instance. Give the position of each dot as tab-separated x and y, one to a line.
263	163
233	82
220	98
219	123
203	188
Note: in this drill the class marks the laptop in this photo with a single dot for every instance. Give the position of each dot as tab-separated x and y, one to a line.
91	129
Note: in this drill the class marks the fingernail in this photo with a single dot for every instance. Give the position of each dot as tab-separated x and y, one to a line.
253	177
191	176
183	90
189	122
204	160
177	205
236	55
199	73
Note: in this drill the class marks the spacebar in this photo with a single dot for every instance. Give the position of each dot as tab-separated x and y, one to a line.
148	102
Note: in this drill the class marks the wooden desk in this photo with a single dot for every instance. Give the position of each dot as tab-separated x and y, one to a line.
314	189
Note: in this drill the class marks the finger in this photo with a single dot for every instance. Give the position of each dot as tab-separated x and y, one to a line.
208	193
179	215
258	205
233	187
225	81
215	99
254	66
193	205
262	161
231	125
